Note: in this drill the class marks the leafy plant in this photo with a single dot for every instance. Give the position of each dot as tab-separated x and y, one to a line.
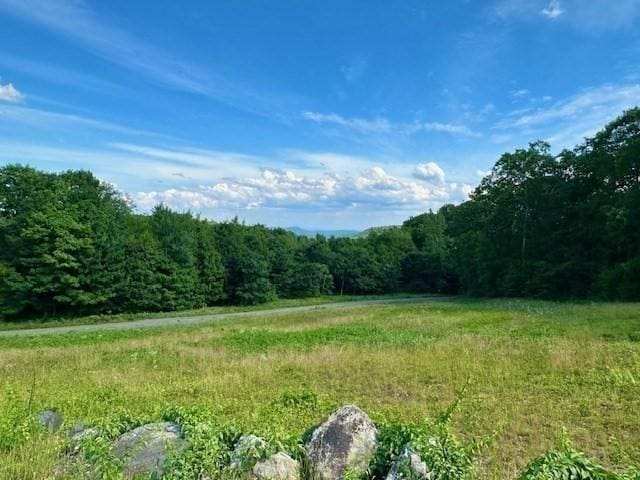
566	463
303	398
446	457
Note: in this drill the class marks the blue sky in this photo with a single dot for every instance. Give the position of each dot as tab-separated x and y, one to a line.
332	114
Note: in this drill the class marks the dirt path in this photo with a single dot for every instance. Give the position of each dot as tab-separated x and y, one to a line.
201	319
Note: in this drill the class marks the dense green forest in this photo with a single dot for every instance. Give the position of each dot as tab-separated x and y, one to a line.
539	225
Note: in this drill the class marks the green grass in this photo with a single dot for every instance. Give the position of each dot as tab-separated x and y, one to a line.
533	369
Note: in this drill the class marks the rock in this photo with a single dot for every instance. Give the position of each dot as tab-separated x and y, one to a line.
409	466
248	450
80	435
77	428
145	449
80	432
85	434
50	420
277	467
346	442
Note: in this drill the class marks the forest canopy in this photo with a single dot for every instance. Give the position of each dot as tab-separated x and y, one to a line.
539	225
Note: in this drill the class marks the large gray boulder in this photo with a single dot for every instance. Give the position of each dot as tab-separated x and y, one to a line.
277	467
346	442
409	466
50	420
145	449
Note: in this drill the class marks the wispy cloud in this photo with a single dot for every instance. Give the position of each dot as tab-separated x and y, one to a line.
131	164
590	16
443	128
520	93
508	9
75	20
355	68
376	125
381	125
18	114
8	93
59	75
608	98
600	15
330	161
567	121
101	160
552	10
195	164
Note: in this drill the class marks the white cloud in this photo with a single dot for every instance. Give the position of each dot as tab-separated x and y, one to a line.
552	10
9	93
279	189
430	171
381	125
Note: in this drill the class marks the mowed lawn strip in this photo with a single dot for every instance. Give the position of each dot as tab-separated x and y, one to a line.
17	324
62	321
532	370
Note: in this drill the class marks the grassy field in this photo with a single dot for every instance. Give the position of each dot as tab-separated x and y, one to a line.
532	369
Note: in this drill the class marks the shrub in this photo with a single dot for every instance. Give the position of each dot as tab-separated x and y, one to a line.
566	463
304	398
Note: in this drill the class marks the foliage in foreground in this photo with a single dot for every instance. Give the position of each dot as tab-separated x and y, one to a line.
210	450
566	463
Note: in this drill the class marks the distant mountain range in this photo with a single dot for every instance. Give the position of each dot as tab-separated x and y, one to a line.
327	233
369	231
337	233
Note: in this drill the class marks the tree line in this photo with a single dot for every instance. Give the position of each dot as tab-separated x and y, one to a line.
538	225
